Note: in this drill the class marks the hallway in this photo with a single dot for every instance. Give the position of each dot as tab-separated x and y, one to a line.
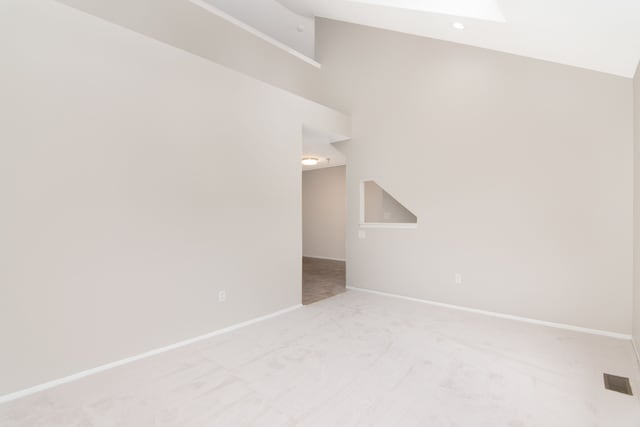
321	278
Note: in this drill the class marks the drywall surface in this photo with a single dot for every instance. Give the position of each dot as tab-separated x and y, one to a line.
187	26
136	181
636	156
275	20
519	171
324	212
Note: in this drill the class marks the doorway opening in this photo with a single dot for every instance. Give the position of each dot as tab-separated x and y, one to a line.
324	214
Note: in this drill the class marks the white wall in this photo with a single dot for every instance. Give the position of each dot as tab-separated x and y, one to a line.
136	181
520	172
182	24
324	212
275	20
636	156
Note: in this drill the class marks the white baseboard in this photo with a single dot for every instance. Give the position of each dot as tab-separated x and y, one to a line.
635	348
501	315
324	257
50	384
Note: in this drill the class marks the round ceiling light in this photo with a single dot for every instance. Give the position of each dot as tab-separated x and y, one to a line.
309	161
458	25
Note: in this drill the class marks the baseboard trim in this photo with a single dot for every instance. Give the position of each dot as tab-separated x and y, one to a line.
500	315
635	348
51	384
324	257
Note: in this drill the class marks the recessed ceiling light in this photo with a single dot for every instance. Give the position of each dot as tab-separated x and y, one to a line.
458	25
309	161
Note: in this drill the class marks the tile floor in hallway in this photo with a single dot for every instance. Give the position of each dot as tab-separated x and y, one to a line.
358	359
321	278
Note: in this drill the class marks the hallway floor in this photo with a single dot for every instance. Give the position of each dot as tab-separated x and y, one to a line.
358	359
321	279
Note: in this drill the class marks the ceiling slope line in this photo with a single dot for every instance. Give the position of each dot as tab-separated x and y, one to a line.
212	9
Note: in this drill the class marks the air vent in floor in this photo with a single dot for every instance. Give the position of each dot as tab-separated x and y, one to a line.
619	384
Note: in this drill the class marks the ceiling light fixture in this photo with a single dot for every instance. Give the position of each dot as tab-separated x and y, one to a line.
309	161
458	25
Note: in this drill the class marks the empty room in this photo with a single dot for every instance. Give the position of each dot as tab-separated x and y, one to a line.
320	213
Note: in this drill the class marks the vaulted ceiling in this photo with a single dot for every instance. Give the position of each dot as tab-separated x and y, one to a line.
601	35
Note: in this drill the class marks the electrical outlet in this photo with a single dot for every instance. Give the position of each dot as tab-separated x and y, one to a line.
458	279
222	296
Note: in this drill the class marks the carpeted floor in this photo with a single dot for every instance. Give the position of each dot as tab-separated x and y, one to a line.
358	359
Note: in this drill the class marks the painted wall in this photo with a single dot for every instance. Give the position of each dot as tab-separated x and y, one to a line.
636	156
275	20
520	173
182	24
324	212
136	180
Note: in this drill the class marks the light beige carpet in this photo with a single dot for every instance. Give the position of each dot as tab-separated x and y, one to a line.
358	359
